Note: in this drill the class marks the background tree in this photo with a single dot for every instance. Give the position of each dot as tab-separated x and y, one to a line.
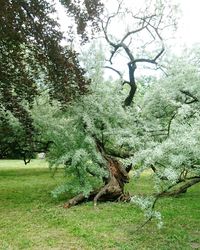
31	57
136	36
85	16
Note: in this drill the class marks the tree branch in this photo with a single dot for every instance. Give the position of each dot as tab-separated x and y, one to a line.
187	93
170	122
115	70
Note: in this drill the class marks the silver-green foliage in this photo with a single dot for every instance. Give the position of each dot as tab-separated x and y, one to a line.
99	115
170	112
160	129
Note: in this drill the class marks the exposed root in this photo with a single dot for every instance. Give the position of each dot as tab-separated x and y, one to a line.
80	198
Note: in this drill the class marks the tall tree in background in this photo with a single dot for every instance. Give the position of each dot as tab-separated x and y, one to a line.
31	57
136	36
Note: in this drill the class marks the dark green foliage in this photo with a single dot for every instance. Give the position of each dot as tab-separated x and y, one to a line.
85	14
31	58
14	144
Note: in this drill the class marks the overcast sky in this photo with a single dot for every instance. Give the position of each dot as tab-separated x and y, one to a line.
188	32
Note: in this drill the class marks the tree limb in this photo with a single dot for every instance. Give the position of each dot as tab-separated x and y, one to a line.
189	94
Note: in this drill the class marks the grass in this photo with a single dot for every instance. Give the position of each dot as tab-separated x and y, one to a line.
31	219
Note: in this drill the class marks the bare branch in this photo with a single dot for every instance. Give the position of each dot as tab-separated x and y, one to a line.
152	23
190	95
133	32
115	70
145	60
105	28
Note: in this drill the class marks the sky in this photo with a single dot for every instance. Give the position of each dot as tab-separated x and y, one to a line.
189	31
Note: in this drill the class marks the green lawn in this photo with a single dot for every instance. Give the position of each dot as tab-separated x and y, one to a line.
31	219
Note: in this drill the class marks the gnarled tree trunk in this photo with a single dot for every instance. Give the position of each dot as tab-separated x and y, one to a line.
113	189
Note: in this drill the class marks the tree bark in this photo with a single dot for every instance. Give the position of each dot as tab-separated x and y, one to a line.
132	83
182	189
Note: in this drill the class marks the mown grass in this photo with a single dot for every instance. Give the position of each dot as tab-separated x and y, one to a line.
31	219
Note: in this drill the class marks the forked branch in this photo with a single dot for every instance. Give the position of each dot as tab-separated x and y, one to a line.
151	24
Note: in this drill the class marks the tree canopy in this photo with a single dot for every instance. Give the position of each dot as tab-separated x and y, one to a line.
32	59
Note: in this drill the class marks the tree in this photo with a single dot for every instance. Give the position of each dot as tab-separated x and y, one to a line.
99	127
85	15
171	127
11	136
142	40
86	139
31	58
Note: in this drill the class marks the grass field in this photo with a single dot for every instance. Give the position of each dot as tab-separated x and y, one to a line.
31	219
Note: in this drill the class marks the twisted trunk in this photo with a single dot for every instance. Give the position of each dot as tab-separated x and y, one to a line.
113	189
